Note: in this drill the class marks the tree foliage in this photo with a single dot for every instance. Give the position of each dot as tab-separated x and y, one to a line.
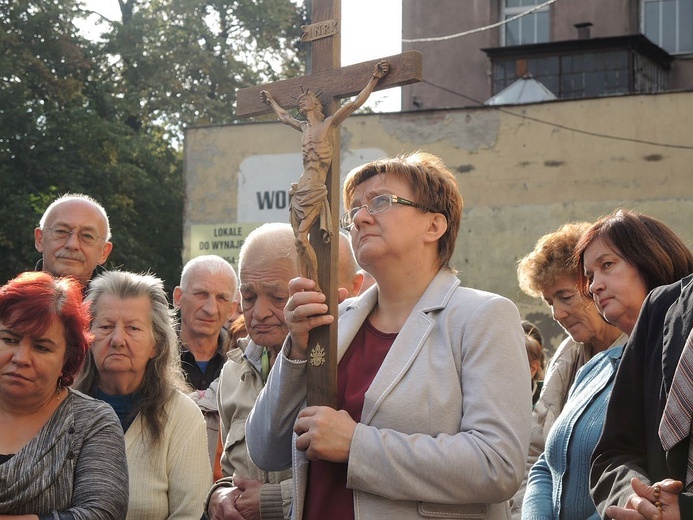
181	61
105	117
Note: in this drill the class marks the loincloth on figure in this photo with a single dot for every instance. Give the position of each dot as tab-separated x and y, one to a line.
306	204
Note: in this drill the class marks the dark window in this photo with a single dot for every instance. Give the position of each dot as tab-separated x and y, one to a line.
571	75
531	28
669	24
570	69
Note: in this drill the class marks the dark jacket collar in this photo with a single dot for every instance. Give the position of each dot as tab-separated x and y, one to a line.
98	271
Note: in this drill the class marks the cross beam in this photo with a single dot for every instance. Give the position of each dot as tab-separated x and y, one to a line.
335	83
348	81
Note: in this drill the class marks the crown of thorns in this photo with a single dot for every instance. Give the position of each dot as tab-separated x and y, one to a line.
308	92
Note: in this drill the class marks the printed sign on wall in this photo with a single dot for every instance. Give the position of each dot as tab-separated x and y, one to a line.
263	196
223	240
264	181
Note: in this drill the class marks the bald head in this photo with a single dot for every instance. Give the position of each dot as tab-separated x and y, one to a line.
266	264
73	237
368	280
208	264
349	275
268	242
206	299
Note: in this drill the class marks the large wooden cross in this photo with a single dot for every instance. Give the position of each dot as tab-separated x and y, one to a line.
335	83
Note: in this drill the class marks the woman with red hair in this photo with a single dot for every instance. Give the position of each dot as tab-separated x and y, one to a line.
62	453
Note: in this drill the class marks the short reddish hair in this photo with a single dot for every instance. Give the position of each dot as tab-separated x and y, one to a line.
433	184
29	304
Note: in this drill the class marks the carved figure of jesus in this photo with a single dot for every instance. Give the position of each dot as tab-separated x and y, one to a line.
308	197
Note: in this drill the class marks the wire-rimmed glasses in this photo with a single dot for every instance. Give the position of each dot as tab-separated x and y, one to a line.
377	205
86	237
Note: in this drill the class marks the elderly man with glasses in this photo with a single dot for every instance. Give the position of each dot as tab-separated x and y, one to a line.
74	238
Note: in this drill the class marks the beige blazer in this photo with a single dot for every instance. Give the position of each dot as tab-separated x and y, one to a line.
445	424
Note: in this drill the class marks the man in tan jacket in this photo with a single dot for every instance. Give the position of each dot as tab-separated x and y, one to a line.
267	262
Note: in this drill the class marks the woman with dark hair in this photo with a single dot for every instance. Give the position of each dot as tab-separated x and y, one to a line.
61	452
625	255
535	356
533	332
134	366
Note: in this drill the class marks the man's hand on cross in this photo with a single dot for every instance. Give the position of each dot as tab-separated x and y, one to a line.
304	311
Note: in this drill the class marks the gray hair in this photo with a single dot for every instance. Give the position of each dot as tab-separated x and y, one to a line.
77	196
210	264
275	240
163	375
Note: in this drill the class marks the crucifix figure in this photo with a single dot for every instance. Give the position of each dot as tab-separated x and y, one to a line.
308	196
321	164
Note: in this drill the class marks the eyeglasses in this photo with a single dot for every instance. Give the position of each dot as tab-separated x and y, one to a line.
87	238
377	205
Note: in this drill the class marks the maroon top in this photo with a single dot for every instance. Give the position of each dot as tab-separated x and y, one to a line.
326	494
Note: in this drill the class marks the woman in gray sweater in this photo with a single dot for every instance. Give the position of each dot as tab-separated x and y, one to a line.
62	454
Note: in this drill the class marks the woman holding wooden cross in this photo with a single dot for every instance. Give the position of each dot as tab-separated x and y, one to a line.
434	404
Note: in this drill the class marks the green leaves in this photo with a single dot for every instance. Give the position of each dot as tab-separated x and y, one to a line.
106	117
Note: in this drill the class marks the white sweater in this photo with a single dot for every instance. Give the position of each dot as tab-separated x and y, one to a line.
171	479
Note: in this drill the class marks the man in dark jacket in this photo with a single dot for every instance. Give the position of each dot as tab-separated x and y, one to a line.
630	445
206	298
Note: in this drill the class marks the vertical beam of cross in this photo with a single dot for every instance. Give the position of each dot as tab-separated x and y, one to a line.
322	378
335	83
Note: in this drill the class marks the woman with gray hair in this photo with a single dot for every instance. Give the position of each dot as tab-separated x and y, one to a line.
133	365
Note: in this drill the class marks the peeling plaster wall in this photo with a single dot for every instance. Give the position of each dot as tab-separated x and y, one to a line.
520	176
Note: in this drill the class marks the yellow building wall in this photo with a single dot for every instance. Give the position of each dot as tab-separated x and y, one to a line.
523	171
